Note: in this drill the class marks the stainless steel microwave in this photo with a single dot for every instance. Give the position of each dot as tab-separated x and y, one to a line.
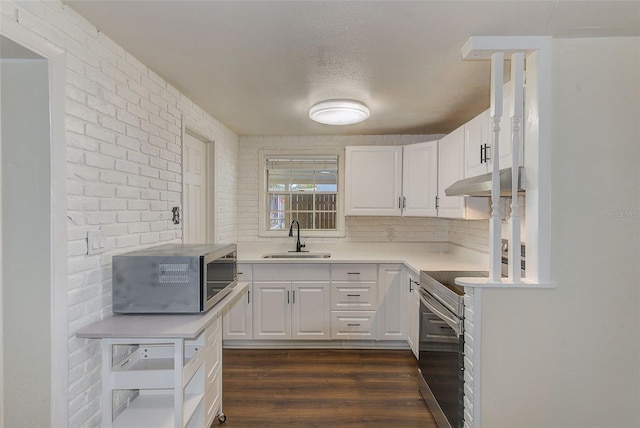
173	278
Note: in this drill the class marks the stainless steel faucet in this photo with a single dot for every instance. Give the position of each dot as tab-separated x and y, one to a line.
299	246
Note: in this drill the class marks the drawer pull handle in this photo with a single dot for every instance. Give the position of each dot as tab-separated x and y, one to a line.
353	325
353	295
353	273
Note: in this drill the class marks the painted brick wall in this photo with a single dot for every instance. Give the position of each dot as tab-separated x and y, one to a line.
123	141
358	229
470	316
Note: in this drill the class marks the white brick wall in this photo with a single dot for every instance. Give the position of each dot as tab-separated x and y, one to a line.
123	131
469	321
358	229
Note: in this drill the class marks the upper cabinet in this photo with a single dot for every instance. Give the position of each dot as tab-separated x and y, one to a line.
451	163
478	140
420	179
391	180
373	180
477	145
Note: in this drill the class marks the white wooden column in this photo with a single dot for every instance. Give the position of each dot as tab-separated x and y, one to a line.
517	106
495	224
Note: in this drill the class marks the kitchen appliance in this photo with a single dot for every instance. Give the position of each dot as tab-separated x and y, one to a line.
441	340
481	184
441	345
173	278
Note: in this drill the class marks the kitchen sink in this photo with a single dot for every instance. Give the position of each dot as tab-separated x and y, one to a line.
295	255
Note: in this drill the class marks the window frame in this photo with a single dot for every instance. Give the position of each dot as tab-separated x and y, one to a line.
263	194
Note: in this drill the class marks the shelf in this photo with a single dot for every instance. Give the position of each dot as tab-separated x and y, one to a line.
152	366
155	410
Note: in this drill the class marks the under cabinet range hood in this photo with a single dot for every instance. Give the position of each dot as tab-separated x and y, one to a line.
481	184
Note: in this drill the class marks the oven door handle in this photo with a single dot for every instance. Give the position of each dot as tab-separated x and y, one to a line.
437	308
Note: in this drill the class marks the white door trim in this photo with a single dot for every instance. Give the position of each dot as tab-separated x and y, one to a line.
195	130
59	293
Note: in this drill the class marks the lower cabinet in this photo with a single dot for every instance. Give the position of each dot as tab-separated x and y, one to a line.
413	312
238	316
392	298
291	301
291	310
335	301
354	301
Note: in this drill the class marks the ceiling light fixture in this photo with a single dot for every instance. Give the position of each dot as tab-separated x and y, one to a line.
339	112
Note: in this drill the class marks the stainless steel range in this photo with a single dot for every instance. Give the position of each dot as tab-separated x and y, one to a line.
441	348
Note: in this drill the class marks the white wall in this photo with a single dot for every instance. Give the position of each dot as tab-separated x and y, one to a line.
570	356
123	144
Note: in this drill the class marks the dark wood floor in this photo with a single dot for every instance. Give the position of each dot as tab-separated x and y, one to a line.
322	388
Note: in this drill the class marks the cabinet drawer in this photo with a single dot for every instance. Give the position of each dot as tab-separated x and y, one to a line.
356	325
354	272
347	296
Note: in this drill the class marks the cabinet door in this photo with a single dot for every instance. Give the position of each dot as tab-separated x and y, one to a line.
392	295
238	318
476	135
373	180
450	170
272	315
420	179
413	318
237	321
311	310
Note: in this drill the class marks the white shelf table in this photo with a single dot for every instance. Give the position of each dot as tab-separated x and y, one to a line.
174	362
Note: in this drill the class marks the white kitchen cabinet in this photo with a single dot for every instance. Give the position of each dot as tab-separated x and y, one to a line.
477	145
354	301
272	314
392	298
479	154
450	170
391	180
311	310
413	312
373	180
291	301
237	322
420	179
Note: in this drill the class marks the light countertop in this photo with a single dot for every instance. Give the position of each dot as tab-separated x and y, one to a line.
414	255
146	326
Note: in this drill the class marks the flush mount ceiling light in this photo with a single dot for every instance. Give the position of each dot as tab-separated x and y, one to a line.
339	112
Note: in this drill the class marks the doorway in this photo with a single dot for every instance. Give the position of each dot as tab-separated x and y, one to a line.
196	172
33	295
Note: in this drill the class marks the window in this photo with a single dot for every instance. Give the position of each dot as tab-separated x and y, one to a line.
301	187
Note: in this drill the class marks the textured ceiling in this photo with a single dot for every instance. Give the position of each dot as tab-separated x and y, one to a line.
257	66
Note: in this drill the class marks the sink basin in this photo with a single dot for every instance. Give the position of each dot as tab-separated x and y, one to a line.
294	255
